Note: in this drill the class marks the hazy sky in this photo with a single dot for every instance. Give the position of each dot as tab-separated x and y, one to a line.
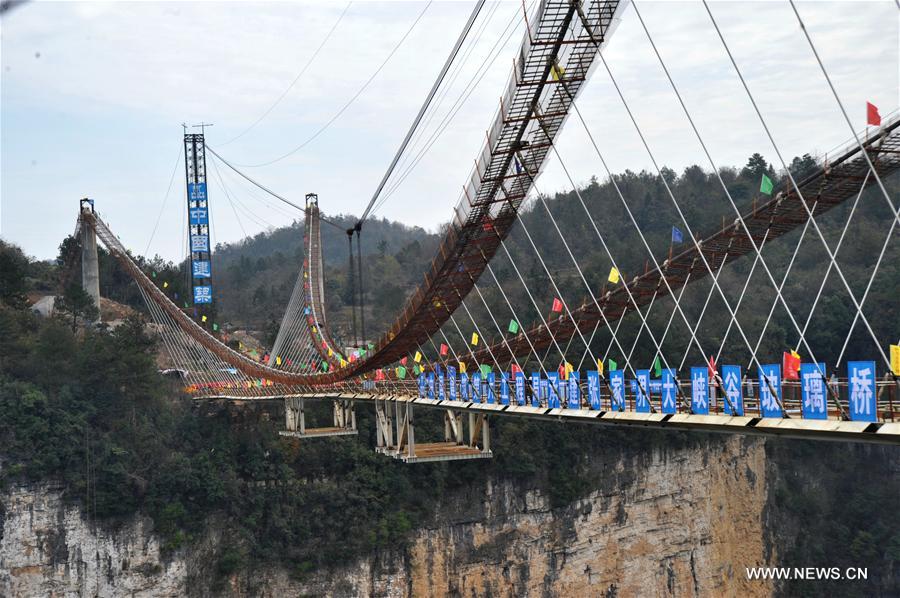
94	94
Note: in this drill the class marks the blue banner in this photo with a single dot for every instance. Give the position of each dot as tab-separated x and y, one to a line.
421	386
203	294
574	391
535	389
489	388
553	381
593	380
520	388
668	391
430	385
201	269
545	391
813	391
476	388
199	243
617	390
700	390
463	386
442	393
642	388
199	216
769	381
731	379
451	381
861	382
504	388
197	192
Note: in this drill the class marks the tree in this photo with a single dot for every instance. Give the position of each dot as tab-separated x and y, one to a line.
76	302
13	273
756	167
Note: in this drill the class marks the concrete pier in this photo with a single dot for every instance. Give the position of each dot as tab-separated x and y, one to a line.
90	263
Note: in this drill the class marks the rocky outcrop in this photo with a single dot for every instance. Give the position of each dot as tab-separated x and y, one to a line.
681	522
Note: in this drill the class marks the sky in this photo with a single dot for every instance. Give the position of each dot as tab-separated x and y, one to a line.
93	96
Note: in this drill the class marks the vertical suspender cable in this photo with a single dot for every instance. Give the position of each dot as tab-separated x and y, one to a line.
362	290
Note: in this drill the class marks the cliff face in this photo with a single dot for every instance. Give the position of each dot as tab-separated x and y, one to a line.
664	522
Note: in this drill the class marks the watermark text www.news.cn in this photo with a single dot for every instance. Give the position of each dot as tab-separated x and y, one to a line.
808	573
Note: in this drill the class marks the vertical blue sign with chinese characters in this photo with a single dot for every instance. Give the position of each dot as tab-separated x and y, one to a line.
463	386
451	381
734	399
668	391
700	390
617	390
203	294
476	388
442	393
535	389
593	380
430	385
574	393
504	388
861	385
489	388
520	388
642	392
421	386
813	391
545	391
770	390
553	398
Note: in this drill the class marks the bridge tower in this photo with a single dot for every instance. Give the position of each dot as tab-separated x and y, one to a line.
90	264
198	218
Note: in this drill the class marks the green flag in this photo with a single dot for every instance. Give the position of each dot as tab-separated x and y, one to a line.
513	326
401	372
765	185
324	366
371	346
657	367
613	365
215	327
485	370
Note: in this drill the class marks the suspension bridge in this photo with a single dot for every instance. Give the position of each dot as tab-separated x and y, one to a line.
490	369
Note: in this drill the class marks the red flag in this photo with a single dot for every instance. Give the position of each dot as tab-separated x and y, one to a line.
872	116
711	368
791	366
403	361
443	350
515	369
488	226
557	306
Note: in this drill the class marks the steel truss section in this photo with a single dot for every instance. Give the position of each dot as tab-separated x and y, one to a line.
343	419
396	436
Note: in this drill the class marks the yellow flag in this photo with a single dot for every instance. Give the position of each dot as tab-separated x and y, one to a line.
278	360
474	338
203	319
794	354
462	367
343	363
240	345
418	357
557	72
895	359
330	352
613	275
569	369
600	366
305	275
314	330
165	285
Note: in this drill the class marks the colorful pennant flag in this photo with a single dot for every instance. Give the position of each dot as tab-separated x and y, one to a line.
443	350
600	365
613	365
895	360
401	372
657	368
278	360
557	306
677	237
403	361
613	275
485	370
765	185
711	368
418	357
791	365
872	116
203	319
166	285
474	338
215	327
462	367
513	326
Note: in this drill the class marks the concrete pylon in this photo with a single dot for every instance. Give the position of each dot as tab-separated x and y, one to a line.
90	263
